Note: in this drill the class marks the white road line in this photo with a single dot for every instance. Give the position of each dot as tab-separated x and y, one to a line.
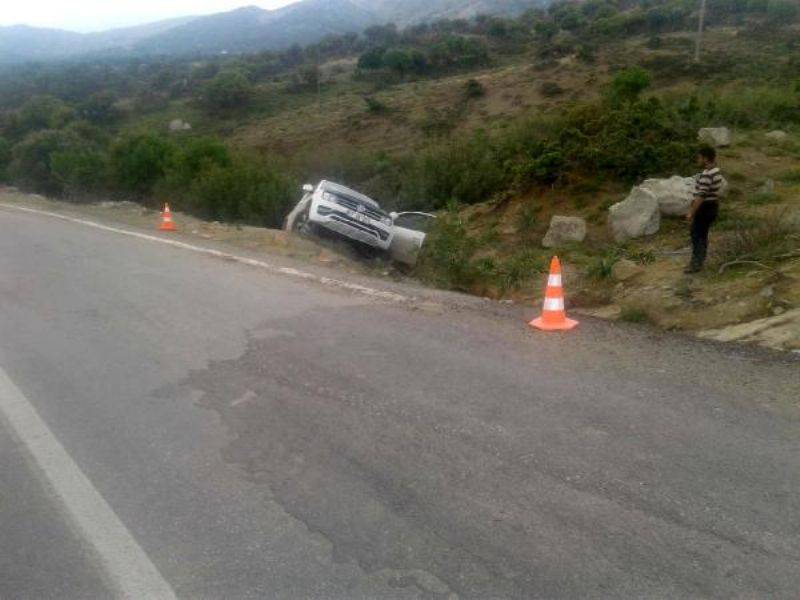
296	273
126	565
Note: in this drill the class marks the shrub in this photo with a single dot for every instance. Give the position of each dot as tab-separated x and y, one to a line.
138	161
448	257
634	314
372	59
32	168
99	109
765	240
43	112
474	89
375	106
193	157
465	171
550	89
80	172
228	90
5	158
629	84
244	192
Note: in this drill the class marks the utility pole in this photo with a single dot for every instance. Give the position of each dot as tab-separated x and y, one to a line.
319	80
700	27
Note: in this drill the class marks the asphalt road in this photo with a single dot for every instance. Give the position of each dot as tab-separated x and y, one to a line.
261	436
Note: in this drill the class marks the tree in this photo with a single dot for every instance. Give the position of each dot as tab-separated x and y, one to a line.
398	60
372	59
79	171
43	112
99	109
32	164
227	91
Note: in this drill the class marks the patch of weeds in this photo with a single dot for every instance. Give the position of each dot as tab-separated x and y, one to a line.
737	177
602	266
683	289
550	89
791	177
375	106
764	240
528	219
732	220
761	198
580	202
473	89
643	257
519	268
439	123
634	314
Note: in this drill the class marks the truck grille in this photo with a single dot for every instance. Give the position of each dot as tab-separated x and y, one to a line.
372	213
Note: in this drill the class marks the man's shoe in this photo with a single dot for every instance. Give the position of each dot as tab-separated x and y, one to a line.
691	269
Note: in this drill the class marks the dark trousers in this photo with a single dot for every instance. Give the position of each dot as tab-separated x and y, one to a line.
703	220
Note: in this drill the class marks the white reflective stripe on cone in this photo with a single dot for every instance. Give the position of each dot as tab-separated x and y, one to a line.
554	281
553	304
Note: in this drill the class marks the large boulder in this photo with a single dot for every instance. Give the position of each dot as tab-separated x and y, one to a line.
674	195
715	136
636	216
564	230
179	125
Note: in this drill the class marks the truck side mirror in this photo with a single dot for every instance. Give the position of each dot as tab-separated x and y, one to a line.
308	188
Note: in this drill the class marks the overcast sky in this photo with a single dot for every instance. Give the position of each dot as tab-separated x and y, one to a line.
95	15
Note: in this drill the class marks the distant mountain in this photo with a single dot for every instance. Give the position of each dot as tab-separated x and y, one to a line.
20	42
245	29
252	28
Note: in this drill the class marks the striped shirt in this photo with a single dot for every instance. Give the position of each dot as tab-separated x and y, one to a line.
708	185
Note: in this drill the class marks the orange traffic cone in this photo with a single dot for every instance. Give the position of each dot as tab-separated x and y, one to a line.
167	224
554	317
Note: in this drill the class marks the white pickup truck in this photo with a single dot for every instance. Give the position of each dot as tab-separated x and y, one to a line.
360	219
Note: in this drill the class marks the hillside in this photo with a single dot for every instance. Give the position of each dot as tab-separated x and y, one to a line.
247	29
252	28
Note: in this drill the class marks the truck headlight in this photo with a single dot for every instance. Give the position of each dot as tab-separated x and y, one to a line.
388	221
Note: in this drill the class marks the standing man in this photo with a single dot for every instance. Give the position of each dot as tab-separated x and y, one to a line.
705	206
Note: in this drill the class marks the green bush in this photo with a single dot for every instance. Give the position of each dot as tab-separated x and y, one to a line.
138	161
448	257
80	172
5	158
243	192
43	112
628	84
465	171
228	91
32	164
474	89
192	158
